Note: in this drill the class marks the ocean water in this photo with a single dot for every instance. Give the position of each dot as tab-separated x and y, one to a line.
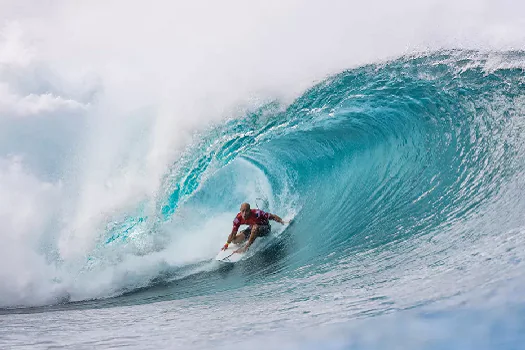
404	178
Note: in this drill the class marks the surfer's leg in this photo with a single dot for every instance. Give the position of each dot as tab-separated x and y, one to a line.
252	235
242	236
264	230
247	232
238	239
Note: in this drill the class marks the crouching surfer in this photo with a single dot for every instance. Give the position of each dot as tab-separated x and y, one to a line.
258	222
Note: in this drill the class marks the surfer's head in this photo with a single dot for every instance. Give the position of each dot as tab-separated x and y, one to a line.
245	210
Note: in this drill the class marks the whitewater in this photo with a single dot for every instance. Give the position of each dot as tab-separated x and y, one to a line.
393	135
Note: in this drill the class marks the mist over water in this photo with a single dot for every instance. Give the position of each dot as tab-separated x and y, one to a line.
390	132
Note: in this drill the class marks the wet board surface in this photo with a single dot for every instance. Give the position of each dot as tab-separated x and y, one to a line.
229	254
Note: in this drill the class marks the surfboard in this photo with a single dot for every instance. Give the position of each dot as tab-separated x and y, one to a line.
229	254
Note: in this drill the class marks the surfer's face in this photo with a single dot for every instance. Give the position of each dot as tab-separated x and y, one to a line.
245	212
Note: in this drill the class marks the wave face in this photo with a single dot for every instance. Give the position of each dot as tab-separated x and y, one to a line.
404	180
396	174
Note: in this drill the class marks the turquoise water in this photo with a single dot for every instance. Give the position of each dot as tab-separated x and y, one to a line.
404	181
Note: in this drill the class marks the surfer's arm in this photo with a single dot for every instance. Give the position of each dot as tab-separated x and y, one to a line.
250	240
232	235
235	228
276	218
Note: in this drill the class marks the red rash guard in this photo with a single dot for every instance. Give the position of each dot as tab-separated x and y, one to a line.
257	217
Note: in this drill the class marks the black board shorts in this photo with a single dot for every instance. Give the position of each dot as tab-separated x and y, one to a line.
264	230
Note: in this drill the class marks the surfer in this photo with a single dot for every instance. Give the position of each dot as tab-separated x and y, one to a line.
258	222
